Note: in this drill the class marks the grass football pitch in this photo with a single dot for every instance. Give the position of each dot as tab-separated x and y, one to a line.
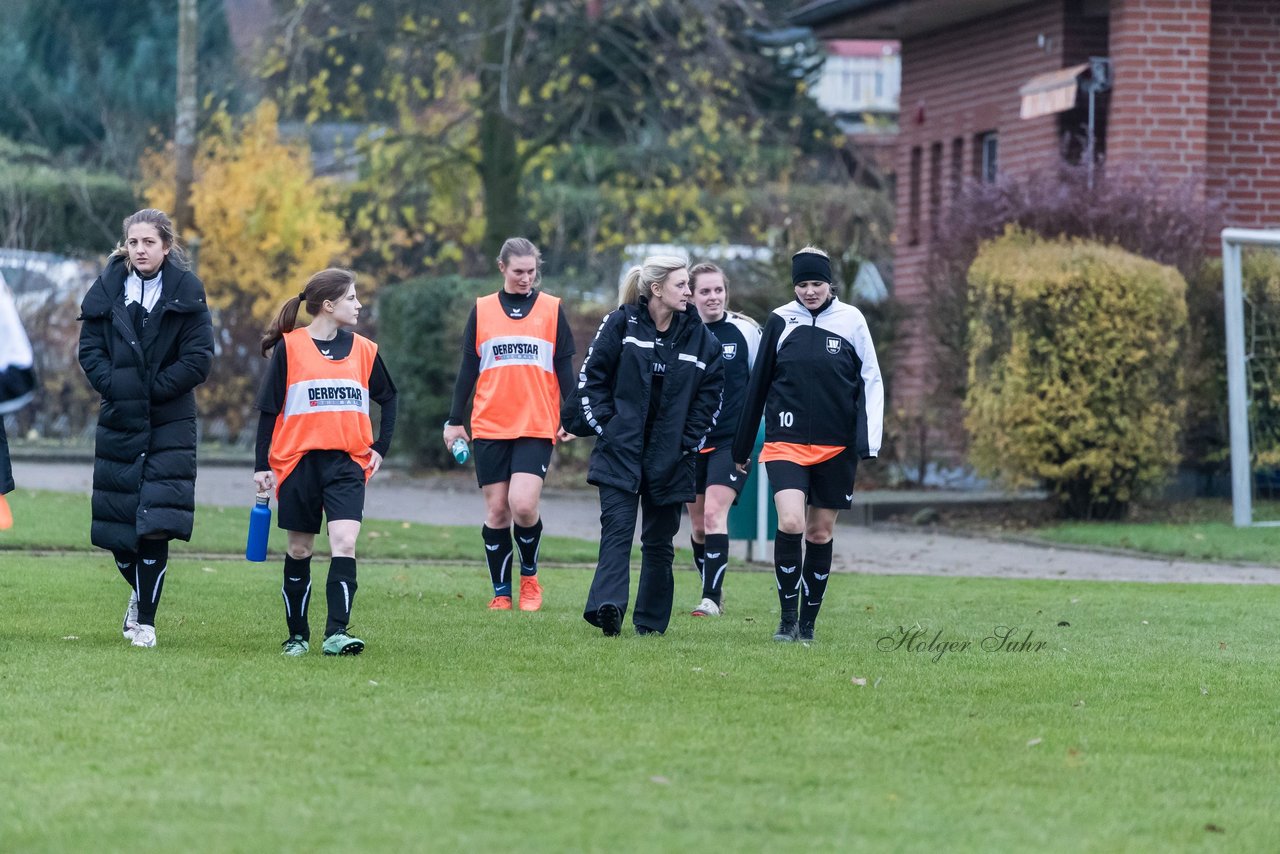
1134	717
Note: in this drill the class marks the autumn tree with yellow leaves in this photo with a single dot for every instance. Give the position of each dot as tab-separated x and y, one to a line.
265	225
481	102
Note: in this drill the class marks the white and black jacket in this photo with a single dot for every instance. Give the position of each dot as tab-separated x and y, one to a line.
611	402
816	380
739	343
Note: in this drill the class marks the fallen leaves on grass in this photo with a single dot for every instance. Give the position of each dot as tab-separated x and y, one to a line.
71	637
1213	828
1034	741
1204	690
860	681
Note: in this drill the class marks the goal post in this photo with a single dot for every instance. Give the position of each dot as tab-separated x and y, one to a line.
1233	242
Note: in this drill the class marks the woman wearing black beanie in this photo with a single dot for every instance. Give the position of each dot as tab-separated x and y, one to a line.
817	382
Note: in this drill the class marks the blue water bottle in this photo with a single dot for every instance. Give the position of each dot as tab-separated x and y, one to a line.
255	547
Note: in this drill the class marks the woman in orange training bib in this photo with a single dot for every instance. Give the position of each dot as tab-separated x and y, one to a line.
517	354
316	446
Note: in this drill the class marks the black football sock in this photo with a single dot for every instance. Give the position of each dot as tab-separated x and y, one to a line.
817	568
126	562
699	552
153	560
786	569
497	552
529	540
297	595
340	590
715	562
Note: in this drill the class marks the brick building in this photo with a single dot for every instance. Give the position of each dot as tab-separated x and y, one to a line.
994	87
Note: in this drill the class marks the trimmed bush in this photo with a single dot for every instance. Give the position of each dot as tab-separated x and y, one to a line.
420	323
68	211
1074	376
1207	440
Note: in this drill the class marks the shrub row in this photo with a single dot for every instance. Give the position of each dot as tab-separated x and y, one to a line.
1074	375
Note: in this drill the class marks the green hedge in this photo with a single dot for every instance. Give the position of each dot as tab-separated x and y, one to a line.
71	212
420	323
1207	439
1074	369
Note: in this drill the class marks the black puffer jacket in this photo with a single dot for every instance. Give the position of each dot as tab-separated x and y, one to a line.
611	402
144	469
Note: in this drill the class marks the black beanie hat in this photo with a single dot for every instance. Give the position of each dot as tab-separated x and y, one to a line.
810	267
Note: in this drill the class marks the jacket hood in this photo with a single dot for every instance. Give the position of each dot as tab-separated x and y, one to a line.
182	291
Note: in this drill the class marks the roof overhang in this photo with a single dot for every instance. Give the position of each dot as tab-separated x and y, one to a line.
892	19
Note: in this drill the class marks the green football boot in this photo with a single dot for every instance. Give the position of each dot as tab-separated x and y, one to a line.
342	644
295	646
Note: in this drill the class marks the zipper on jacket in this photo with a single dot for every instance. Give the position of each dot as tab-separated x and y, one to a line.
808	387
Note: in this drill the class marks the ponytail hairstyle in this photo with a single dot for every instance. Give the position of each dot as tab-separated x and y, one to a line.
519	247
331	284
164	226
641	278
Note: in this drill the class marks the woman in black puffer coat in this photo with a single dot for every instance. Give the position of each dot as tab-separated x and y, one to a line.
649	391
146	343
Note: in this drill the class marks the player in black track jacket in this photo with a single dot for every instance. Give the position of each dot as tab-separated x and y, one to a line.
817	382
719	481
649	391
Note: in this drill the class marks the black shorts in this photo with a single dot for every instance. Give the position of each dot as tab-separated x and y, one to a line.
716	468
828	485
324	481
498	459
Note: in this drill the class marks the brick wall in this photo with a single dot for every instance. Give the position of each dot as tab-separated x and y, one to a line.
1243	140
1160	103
965	81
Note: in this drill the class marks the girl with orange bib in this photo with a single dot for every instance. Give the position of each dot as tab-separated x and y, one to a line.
517	355
316	447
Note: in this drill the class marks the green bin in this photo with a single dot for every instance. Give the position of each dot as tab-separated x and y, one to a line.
743	515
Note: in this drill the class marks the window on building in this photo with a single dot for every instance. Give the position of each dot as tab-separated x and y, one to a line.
913	196
935	189
985	150
879	84
957	166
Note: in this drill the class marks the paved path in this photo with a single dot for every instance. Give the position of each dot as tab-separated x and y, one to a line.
880	550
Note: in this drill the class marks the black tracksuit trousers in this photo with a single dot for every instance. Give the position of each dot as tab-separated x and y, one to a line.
613	571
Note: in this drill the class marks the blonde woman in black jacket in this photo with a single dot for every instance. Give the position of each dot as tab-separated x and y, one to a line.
649	391
146	343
